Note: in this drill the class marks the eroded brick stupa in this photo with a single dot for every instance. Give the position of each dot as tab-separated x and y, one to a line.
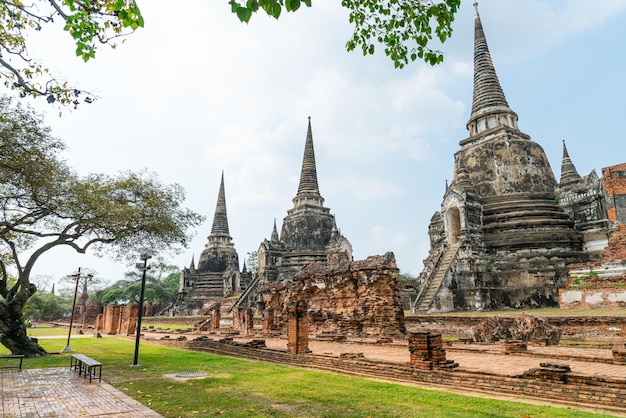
507	230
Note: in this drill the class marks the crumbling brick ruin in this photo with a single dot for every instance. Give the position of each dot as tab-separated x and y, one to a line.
118	319
601	283
427	351
357	298
298	329
524	328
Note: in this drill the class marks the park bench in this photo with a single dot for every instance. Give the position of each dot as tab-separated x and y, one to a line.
86	366
19	357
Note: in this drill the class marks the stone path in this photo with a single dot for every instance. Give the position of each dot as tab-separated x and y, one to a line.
59	392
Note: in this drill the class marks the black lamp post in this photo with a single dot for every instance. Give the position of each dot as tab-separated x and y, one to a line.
67	348
145	256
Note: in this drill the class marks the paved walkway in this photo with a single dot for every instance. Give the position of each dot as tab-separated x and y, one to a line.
59	392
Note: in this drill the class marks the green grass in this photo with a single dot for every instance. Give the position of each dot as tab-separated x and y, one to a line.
44	330
242	388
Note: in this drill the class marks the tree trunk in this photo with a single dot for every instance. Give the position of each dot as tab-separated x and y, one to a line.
13	332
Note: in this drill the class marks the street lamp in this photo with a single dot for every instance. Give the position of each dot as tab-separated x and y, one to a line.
77	275
145	256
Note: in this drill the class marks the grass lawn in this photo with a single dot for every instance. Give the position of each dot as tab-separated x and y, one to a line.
242	388
48	331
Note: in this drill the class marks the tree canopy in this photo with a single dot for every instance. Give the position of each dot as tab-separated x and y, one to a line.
403	27
161	285
45	204
88	22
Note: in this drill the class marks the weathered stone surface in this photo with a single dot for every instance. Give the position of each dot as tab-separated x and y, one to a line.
524	328
357	298
502	238
309	232
217	274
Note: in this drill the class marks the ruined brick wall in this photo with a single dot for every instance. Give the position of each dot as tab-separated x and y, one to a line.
91	312
128	319
111	318
616	249
614	178
358	298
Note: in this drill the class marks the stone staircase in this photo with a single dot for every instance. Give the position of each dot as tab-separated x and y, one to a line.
428	293
211	285
250	288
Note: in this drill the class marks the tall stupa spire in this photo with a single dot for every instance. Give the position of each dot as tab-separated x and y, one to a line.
308	190
569	174
489	106
220	219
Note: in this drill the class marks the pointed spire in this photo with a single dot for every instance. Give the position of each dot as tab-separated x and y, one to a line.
52	291
489	106
569	174
308	190
192	266
220	219
244	268
274	237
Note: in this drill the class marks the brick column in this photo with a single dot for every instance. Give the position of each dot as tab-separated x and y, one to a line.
298	329
111	318
99	322
216	316
249	321
427	351
268	321
149	308
236	319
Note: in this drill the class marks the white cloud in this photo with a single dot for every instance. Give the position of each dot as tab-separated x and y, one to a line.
197	92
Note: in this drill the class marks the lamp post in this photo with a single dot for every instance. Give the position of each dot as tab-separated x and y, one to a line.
145	256
67	348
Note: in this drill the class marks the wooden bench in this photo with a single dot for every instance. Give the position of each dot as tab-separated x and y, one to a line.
13	356
86	366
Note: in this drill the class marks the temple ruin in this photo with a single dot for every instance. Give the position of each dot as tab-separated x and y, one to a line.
506	230
217	274
339	298
309	233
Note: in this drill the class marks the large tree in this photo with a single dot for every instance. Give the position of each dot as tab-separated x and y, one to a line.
403	27
44	204
161	285
88	22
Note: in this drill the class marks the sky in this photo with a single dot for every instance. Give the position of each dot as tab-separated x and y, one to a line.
196	92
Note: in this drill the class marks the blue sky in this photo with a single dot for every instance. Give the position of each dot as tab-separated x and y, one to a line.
197	92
